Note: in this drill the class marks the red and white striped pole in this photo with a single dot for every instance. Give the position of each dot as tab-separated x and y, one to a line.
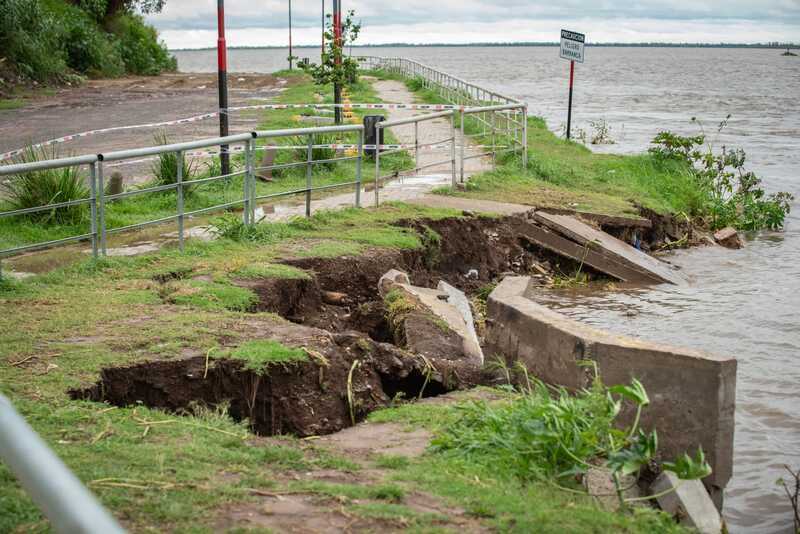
337	36
222	82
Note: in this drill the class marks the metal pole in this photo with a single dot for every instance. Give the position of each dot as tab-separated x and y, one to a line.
179	180
358	167
290	34
63	499
337	32
309	170
525	137
249	184
323	31
416	147
494	139
377	165
93	207
453	148
101	219
463	142
222	82
569	108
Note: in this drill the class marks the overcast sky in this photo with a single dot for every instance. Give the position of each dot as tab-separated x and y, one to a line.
192	23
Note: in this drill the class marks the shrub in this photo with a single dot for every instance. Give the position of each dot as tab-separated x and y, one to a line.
29	38
733	196
139	47
40	188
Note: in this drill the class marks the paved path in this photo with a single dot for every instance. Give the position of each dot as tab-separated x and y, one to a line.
414	189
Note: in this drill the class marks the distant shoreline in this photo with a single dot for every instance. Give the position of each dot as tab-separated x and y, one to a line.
773	46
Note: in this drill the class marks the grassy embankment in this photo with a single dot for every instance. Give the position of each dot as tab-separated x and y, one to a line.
62	328
140	208
567	175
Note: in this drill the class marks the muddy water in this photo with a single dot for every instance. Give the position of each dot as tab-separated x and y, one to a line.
743	303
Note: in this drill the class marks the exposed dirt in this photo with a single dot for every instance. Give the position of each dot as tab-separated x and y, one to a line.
340	319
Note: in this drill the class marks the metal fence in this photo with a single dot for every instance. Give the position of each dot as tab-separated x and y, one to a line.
99	201
499	123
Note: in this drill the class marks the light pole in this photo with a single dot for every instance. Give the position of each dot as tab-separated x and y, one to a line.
290	35
222	82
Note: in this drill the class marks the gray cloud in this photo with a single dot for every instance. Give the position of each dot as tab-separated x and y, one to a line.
200	15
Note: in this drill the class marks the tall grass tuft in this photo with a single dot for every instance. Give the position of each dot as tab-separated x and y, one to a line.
40	188
165	170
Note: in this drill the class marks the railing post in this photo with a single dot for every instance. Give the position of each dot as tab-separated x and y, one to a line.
416	147
453	148
525	137
250	182
309	170
377	163
358	167
179	180
93	207
463	142
494	138
101	219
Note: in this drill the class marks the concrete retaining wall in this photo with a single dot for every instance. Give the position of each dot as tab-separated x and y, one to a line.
692	393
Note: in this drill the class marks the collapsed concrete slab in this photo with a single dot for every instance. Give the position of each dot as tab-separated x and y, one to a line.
688	502
601	250
432	322
692	393
728	237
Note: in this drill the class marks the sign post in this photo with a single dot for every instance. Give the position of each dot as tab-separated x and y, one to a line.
572	44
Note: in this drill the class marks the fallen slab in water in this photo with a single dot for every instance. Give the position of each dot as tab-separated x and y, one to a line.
601	250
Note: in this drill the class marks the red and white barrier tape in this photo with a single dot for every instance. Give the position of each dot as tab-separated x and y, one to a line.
66	138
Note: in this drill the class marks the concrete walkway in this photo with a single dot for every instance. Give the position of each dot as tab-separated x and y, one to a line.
414	189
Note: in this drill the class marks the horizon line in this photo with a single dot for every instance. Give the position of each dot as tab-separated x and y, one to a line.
643	44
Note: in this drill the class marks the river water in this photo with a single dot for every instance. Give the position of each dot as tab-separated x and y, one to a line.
743	303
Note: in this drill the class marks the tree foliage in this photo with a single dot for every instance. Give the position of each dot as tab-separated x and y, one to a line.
335	66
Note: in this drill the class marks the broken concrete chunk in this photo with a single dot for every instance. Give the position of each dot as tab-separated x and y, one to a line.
689	502
728	237
389	280
459	301
436	323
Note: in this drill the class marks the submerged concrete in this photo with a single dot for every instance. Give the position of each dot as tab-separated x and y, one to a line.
692	393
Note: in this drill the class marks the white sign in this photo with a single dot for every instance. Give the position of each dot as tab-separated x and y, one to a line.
572	45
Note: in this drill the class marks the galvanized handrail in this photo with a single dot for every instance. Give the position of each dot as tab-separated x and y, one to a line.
64	500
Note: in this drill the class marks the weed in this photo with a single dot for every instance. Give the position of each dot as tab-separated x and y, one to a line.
52	186
165	170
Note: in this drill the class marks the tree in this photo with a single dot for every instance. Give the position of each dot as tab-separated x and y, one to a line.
104	9
334	67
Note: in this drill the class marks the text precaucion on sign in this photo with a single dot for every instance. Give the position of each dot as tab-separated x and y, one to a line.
572	48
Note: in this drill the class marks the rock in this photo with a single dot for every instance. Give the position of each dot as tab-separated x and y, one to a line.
689	503
728	237
472	274
334	298
391	279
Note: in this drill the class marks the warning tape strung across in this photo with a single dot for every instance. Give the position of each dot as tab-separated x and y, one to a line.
66	138
210	153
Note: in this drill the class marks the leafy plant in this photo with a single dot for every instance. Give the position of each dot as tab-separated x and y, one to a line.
792	490
547	434
40	188
733	195
334	66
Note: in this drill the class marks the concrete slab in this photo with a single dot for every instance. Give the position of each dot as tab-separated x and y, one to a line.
688	502
615	252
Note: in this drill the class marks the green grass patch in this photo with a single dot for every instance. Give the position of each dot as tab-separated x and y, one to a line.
270	270
212	296
11	103
260	354
391	461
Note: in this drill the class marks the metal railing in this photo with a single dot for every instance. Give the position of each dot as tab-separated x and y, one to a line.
63	499
98	200
451	141
494	118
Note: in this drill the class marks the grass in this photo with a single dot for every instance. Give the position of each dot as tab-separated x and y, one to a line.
11	103
260	354
270	270
212	296
567	175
